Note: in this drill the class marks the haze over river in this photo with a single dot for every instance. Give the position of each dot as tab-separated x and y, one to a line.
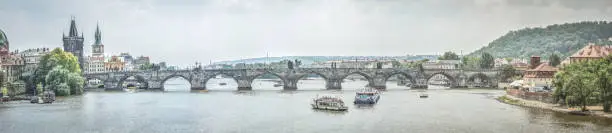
268	110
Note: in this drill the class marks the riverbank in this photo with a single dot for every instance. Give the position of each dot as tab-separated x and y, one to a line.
595	110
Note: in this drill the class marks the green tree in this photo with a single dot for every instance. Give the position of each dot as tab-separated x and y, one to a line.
449	56
507	72
603	71
559	80
486	61
585	83
553	38
60	71
554	60
395	64
146	66
581	90
55	58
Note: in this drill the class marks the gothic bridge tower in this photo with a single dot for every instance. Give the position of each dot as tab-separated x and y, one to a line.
73	43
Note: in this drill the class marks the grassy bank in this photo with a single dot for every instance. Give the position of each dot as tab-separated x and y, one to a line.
508	99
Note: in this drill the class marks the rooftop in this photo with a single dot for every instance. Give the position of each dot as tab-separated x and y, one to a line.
593	51
544	67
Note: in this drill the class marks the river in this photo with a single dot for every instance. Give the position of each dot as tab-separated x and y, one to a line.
268	110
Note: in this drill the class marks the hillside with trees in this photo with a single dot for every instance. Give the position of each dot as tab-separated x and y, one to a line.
559	39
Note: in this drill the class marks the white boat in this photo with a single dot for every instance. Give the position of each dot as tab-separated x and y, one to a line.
328	102
367	96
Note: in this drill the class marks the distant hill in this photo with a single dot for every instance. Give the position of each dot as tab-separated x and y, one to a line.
312	59
563	39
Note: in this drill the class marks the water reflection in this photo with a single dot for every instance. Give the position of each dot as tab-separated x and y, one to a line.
330	112
365	106
263	111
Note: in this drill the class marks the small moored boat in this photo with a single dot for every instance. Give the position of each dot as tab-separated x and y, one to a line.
47	97
328	102
277	85
423	95
367	96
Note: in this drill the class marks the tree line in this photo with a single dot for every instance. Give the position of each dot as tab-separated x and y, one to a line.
560	39
58	71
585	83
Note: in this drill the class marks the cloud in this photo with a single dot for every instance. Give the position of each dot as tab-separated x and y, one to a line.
182	32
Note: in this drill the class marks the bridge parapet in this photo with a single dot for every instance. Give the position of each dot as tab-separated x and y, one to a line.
290	77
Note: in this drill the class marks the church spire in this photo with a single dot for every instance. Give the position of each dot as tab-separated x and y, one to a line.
73	29
98	35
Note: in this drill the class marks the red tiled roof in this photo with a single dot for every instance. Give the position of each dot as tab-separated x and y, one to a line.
593	51
520	64
544	67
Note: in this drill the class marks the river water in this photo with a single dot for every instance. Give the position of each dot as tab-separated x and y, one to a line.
268	110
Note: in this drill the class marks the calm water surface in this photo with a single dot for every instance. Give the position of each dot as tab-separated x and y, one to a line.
268	110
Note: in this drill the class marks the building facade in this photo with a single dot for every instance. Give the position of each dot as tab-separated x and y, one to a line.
32	57
442	64
141	60
73	43
128	60
115	63
95	62
12	64
590	52
539	74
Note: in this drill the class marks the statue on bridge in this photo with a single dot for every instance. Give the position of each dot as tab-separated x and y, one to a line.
378	65
298	63
290	64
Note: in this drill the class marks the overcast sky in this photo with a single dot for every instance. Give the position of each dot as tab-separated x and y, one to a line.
202	30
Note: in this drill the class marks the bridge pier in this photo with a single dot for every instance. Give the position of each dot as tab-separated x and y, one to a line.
290	84
244	85
197	84
379	82
333	84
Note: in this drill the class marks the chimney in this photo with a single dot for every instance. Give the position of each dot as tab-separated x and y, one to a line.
535	62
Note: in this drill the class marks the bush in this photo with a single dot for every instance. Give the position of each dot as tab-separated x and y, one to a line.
62	90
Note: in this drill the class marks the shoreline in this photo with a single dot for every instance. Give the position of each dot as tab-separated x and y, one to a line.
511	100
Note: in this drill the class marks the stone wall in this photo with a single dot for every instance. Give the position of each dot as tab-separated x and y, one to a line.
538	96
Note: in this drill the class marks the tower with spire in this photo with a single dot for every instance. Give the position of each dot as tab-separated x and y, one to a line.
97	47
73	43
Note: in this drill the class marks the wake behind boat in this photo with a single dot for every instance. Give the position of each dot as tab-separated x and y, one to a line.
367	96
328	102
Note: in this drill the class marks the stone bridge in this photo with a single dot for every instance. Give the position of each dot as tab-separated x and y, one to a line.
333	76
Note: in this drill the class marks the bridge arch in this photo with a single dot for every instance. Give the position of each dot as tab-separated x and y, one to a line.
302	81
139	78
312	72
406	75
252	80
368	77
163	81
452	79
208	77
345	85
90	84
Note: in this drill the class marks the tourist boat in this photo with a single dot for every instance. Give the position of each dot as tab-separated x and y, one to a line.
222	83
277	85
367	96
328	102
423	95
